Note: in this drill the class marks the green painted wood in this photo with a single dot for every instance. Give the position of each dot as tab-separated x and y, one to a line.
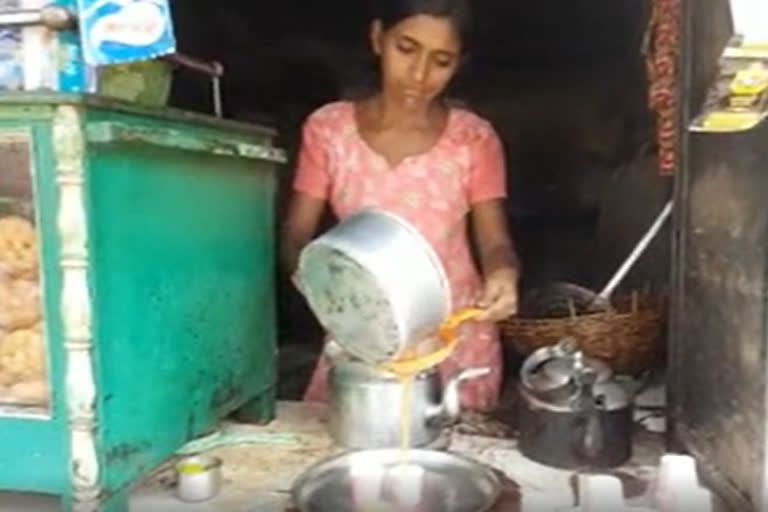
34	454
43	101
181	276
15	112
182	273
110	132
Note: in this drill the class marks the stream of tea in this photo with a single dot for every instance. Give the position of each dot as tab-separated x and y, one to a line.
411	364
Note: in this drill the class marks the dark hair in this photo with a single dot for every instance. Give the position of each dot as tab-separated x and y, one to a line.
392	12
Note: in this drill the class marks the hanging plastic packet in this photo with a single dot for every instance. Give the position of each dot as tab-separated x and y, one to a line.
121	31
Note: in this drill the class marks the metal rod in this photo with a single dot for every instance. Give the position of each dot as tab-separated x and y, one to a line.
214	69
636	252
217	107
21	18
52	17
211	68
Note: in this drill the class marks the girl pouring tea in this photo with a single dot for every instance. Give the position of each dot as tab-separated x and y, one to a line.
405	151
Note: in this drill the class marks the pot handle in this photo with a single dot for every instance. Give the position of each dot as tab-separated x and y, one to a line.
448	339
447	412
449	326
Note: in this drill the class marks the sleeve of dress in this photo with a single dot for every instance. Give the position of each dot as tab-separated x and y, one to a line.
312	177
488	178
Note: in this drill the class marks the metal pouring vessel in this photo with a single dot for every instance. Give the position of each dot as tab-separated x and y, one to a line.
377	287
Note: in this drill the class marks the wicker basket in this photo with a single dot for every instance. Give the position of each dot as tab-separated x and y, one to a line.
630	337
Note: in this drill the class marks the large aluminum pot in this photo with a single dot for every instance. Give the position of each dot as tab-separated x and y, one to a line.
376	286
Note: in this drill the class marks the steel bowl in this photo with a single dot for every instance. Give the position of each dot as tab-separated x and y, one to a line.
431	481
199	478
375	284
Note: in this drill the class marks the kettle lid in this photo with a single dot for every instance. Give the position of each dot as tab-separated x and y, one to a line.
557	366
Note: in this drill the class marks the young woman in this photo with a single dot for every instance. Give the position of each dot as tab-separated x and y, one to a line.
404	150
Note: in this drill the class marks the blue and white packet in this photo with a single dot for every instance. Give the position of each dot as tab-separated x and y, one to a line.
121	31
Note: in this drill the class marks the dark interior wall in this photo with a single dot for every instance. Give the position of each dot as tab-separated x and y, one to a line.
551	66
293	55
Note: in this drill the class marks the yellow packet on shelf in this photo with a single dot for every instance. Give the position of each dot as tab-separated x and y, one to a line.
730	121
751	81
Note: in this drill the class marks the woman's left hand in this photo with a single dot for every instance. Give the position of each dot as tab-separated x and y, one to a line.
499	298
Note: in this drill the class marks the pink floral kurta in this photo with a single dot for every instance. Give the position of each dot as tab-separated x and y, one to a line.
434	191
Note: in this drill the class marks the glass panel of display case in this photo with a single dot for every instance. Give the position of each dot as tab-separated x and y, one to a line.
23	349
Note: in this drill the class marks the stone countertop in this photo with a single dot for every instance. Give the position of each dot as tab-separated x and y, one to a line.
258	475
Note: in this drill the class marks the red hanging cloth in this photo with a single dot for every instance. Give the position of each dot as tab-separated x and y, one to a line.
662	52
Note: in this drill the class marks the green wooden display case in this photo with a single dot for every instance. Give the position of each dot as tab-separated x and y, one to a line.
156	246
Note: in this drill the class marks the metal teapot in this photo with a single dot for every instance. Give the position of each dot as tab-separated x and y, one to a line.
573	413
365	404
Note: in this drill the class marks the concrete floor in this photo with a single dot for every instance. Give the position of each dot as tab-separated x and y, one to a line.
258	475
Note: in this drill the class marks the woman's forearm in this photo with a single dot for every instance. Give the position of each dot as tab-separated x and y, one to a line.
290	249
500	255
495	247
499	262
298	228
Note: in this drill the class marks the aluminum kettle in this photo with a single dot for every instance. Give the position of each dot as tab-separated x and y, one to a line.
573	413
365	405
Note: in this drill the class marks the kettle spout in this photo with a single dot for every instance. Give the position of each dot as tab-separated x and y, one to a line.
448	411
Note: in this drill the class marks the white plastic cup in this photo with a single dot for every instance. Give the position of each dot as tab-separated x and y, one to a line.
679	469
677	487
407	484
675	472
600	493
199	478
366	478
